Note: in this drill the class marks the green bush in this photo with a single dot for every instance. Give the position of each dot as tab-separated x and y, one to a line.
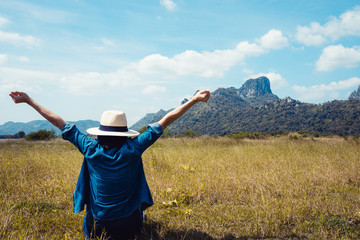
188	133
20	134
41	135
167	134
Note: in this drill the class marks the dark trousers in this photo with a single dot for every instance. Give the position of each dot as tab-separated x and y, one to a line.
126	228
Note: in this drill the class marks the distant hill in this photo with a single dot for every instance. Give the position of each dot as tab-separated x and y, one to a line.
253	107
34	126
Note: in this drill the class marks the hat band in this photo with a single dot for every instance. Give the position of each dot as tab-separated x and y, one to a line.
113	129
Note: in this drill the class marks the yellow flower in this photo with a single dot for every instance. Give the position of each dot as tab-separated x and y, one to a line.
188	211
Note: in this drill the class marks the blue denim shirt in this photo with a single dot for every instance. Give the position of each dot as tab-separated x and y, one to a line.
112	182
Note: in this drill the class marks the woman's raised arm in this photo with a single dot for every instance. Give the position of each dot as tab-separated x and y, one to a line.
21	97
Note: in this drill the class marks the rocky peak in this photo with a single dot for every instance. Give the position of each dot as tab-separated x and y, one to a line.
355	95
252	92
185	100
255	87
288	100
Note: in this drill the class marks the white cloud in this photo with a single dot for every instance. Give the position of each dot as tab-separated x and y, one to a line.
317	92
3	58
156	68
107	42
30	76
276	80
159	67
91	83
309	35
149	71
205	64
25	80
248	71
24	59
153	89
348	24
168	4
88	83
3	21
104	44
334	57
17	39
36	11
274	39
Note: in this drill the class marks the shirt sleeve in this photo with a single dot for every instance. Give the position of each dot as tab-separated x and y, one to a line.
71	133
147	138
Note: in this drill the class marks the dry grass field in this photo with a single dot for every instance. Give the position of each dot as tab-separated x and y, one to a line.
203	188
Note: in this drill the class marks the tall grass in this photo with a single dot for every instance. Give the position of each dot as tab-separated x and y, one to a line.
37	181
203	188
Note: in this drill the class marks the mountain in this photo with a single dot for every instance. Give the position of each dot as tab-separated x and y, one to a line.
355	95
149	118
34	126
254	91
253	107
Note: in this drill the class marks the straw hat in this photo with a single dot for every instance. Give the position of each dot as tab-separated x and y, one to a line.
113	123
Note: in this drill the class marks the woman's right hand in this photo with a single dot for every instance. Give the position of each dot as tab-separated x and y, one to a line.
202	96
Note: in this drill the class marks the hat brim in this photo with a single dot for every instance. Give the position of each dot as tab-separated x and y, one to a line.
97	132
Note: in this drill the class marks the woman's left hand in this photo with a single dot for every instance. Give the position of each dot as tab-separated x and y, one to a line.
19	97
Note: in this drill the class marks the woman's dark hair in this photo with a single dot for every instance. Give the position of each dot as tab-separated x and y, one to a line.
109	142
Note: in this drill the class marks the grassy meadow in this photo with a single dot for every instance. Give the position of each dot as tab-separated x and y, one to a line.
203	188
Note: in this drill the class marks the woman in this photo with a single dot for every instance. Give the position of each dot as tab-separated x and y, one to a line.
112	182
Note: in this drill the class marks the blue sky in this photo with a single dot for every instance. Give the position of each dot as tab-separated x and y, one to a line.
79	58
